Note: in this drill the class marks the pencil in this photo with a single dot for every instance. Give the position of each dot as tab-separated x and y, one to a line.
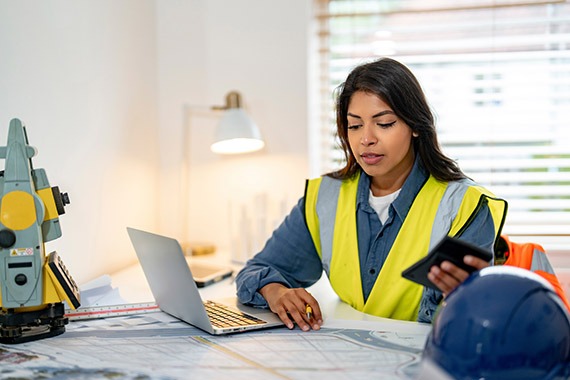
309	311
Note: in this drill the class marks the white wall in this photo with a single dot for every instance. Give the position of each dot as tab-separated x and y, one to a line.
82	76
101	86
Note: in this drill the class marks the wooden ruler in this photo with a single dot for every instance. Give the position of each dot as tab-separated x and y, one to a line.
111	311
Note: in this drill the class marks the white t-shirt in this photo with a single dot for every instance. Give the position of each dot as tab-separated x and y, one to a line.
382	204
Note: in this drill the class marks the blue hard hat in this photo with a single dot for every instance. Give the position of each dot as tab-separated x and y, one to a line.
501	323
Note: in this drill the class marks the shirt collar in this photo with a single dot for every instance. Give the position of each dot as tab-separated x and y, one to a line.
403	202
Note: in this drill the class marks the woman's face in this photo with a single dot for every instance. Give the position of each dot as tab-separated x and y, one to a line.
380	141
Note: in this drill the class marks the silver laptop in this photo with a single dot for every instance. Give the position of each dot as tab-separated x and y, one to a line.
174	290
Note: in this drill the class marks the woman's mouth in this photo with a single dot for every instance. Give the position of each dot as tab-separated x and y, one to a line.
371	158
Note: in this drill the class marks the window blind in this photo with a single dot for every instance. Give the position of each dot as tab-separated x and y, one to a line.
497	76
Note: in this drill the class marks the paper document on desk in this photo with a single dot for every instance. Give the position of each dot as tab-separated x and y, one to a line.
100	292
159	346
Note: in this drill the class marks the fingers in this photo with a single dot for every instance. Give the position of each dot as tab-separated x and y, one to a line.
444	280
285	317
294	306
475	262
448	276
290	311
302	308
317	318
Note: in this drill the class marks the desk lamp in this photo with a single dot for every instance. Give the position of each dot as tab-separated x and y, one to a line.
236	133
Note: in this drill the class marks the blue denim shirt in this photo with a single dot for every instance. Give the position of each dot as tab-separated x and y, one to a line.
289	256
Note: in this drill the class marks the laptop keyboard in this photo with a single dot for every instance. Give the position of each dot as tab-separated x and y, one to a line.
222	316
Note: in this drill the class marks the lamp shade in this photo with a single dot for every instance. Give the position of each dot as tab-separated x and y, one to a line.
237	133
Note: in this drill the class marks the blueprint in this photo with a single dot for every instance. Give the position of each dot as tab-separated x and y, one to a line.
157	346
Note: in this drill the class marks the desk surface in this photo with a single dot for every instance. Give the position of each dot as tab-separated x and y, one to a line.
351	345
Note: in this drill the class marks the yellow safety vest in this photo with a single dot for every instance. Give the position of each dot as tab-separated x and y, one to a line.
439	209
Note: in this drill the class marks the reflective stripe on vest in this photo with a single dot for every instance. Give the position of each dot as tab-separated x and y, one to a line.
326	211
540	262
529	256
439	209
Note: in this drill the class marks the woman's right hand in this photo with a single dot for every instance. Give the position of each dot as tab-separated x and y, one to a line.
291	305
448	276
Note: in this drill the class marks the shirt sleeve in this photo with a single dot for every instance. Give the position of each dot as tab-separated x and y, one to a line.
289	257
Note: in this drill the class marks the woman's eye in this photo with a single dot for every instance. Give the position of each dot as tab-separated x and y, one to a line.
387	125
355	126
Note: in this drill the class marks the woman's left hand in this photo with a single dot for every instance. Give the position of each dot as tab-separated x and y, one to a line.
448	276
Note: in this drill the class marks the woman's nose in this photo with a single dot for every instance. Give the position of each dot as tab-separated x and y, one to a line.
368	138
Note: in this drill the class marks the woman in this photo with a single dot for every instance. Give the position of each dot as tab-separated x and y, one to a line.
396	197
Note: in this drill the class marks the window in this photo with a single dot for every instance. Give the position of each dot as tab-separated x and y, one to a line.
497	75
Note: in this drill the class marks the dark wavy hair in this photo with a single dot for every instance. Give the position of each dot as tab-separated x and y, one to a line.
395	84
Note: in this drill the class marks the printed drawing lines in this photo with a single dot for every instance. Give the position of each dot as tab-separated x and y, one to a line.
157	346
